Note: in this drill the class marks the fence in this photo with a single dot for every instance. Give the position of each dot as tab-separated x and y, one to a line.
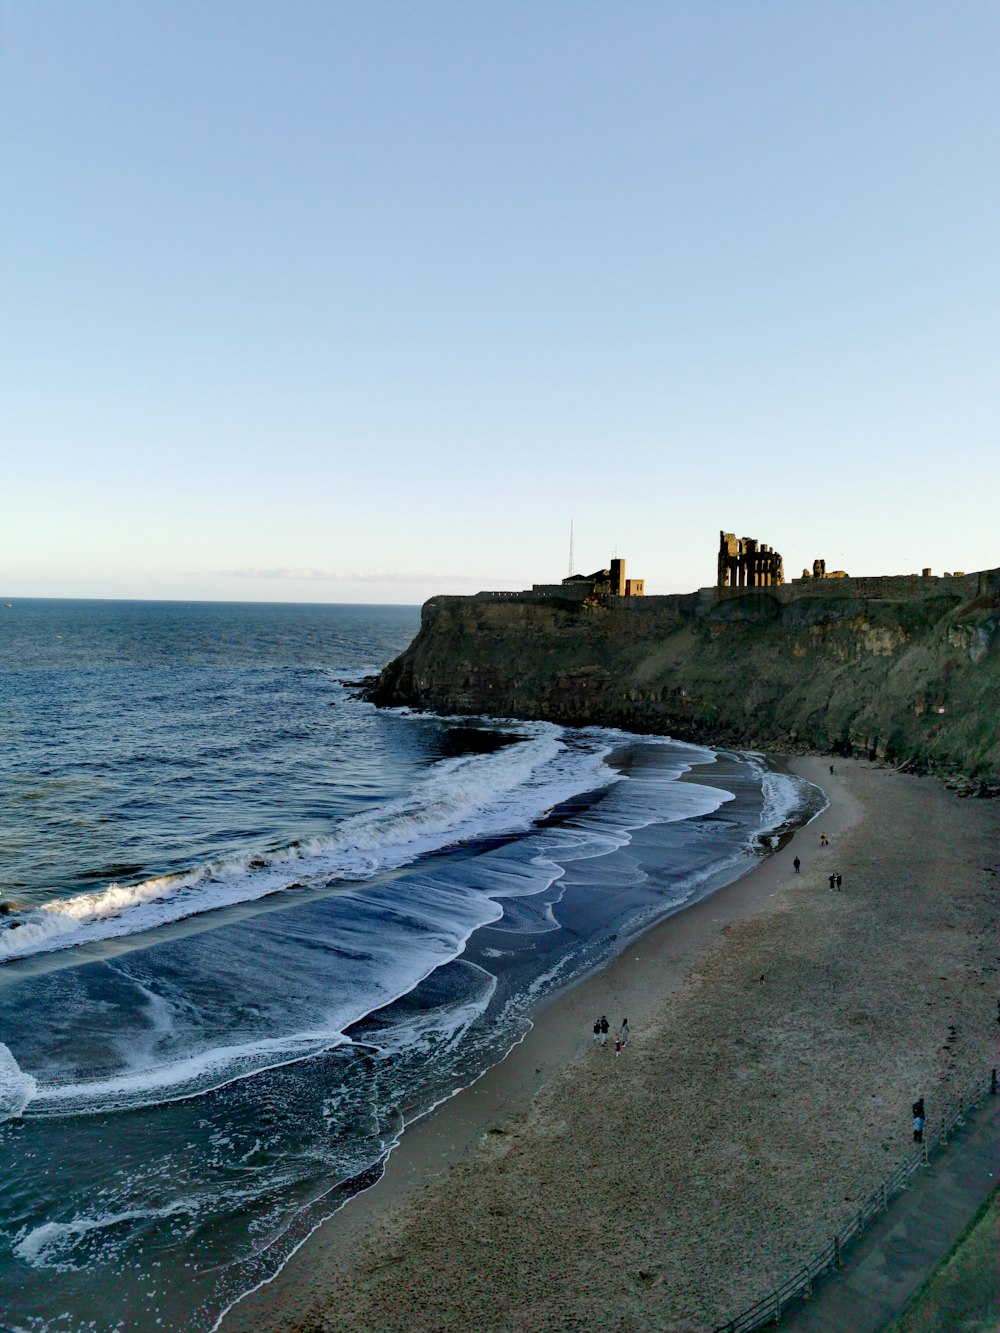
768	1310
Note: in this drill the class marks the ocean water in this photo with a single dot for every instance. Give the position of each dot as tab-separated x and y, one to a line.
254	927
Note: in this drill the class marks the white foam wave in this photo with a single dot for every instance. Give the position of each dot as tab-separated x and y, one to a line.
51	1245
16	1087
785	797
467	797
440	1029
437	925
189	1076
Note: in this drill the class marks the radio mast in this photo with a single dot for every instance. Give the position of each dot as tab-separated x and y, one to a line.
570	571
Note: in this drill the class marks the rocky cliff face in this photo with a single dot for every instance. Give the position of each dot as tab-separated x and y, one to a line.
904	670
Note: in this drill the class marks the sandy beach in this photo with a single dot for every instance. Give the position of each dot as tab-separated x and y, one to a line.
780	1031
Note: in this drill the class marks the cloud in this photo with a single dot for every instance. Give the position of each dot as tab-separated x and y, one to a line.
346	576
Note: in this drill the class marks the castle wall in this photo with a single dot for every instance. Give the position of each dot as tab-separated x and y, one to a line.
896	586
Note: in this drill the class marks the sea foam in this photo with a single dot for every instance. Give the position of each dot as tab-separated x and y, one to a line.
53	1244
16	1087
786	796
471	796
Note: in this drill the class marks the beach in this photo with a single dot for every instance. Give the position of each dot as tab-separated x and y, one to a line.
780	1031
224	997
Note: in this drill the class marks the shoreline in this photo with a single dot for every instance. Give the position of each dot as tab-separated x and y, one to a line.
451	1132
780	1031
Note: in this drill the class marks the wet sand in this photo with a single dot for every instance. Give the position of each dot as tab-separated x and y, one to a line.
780	1031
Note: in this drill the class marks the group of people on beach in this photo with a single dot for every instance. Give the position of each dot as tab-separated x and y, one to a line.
836	879
601	1029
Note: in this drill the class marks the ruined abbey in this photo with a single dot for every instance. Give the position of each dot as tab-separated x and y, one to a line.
746	563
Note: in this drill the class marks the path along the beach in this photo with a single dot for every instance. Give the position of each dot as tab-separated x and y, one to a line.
906	1244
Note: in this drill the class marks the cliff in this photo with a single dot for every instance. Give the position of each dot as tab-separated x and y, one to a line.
903	669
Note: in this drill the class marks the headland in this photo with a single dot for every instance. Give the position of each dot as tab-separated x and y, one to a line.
781	1028
901	669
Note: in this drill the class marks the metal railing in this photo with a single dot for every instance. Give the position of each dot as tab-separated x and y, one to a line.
768	1310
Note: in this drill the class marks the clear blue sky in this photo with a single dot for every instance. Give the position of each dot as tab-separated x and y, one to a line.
364	301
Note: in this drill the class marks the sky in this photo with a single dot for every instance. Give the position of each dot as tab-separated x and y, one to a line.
364	302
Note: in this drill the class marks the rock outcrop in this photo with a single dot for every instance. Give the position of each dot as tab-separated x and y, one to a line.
906	670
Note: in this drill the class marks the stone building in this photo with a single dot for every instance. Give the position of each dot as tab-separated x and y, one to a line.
819	571
746	563
606	582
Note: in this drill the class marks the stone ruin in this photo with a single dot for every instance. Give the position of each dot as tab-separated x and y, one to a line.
746	563
819	571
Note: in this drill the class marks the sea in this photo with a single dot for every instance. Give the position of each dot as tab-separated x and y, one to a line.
253	927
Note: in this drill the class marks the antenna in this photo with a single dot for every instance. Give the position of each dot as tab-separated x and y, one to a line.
569	573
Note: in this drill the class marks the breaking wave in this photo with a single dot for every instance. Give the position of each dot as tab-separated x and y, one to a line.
56	1245
16	1087
472	796
786	798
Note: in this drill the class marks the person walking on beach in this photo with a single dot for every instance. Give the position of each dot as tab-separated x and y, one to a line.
839	880
597	1025
824	841
624	1032
918	1122
618	1045
796	863
605	1026
833	881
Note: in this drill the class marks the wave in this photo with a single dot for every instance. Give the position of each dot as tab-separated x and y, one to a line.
194	1075
786	798
52	1244
506	788
17	1088
472	796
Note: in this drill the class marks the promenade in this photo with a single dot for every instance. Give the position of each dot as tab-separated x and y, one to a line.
904	1246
